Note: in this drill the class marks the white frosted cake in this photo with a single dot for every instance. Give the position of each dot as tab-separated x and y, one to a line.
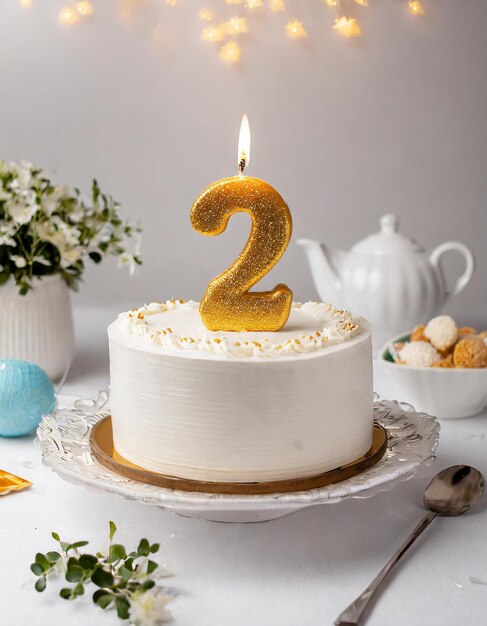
240	407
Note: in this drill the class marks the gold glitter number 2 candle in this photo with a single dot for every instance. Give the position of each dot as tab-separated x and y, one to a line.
228	304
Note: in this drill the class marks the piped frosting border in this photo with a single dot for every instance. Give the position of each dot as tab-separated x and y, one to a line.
333	327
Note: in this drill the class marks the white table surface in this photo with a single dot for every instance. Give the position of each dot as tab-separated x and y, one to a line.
301	570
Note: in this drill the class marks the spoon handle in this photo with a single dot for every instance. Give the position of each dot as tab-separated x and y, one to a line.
352	616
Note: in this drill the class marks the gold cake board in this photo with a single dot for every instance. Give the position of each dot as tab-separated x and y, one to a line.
101	441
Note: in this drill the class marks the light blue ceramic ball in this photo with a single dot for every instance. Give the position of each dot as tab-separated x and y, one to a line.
26	394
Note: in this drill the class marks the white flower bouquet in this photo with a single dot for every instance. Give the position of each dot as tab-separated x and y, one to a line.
46	230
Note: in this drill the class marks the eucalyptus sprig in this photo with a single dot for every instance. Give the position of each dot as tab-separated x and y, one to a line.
125	581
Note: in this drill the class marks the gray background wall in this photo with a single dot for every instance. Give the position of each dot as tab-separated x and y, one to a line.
346	130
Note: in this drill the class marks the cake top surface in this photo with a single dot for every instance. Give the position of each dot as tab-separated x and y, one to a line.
175	327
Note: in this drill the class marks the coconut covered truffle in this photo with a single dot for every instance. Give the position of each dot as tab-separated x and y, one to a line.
470	352
443	345
442	332
419	354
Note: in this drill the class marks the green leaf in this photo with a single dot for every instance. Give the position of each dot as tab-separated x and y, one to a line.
65	593
155	547
37	569
102	578
87	561
95	190
104	600
144	548
113	527
95	257
64	546
78	544
98	594
125	573
123	608
53	557
148	584
41	560
74	573
116	552
40	584
151	566
55	536
78	590
72	561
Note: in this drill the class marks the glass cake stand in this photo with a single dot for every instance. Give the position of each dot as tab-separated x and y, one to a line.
65	441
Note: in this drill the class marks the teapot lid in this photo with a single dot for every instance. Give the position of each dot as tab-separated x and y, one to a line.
388	240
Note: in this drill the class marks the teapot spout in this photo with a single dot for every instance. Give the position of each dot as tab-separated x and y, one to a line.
325	267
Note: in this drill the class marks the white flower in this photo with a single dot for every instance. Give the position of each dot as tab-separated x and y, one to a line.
24	178
64	237
77	213
149	608
51	202
19	261
126	259
6	235
70	233
58	232
137	237
46	232
69	255
41	260
104	234
22	207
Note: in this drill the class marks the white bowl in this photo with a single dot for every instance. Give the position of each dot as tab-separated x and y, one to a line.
444	392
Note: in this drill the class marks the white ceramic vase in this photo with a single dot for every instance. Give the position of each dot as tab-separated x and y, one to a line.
39	326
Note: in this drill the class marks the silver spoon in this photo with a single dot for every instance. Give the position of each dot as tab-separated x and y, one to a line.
452	492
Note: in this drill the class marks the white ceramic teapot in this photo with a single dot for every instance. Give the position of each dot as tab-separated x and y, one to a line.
387	278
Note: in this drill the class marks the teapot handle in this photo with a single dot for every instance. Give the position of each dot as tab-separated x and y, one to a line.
465	278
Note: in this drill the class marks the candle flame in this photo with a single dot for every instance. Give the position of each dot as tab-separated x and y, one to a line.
244	143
